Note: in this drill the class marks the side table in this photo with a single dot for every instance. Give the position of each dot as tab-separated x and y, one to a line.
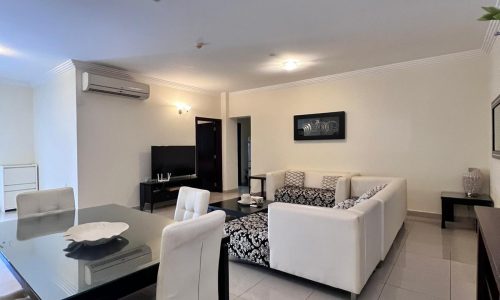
449	199
262	178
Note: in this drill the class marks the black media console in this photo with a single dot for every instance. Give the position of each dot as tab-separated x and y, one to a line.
154	192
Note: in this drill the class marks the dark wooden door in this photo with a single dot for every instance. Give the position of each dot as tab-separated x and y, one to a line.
209	153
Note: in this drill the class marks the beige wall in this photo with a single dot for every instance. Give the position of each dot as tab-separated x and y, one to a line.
426	121
115	136
495	91
55	132
16	124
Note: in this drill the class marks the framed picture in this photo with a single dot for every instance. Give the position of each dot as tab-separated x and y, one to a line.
324	126
495	117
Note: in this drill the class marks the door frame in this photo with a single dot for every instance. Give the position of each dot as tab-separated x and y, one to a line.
218	149
240	178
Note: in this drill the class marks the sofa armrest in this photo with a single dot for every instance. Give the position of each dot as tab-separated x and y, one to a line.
393	199
325	245
274	180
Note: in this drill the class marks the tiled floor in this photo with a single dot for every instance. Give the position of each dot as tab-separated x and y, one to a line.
425	262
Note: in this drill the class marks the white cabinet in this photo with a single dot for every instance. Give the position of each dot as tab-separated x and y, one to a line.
15	179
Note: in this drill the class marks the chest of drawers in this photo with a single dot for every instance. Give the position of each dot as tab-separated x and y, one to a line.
15	179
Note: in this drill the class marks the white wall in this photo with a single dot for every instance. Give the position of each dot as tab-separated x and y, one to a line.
16	124
229	147
55	132
425	121
495	91
115	136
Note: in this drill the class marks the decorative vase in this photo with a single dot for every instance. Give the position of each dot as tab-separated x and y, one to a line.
472	182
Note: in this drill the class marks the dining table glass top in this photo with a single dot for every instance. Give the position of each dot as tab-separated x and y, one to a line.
58	269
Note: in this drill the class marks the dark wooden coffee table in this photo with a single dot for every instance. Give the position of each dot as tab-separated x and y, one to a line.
235	210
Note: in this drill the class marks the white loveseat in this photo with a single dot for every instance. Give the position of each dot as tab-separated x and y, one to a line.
313	179
337	247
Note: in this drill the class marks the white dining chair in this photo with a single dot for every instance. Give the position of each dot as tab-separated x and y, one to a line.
189	259
191	203
45	201
10	289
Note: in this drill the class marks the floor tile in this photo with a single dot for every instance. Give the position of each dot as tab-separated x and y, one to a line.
395	293
463	245
437	266
279	287
243	276
436	250
461	272
422	274
463	290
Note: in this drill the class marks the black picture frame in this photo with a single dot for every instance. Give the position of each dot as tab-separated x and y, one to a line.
335	126
495	122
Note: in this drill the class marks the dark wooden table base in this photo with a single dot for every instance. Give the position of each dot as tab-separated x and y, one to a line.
450	199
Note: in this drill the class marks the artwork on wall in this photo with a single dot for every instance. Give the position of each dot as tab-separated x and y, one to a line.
324	126
495	117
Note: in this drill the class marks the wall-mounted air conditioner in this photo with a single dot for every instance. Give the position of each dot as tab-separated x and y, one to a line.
112	86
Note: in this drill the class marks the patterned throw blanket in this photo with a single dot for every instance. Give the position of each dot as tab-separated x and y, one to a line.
305	196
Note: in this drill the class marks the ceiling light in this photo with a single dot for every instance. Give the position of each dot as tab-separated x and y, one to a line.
6	51
290	65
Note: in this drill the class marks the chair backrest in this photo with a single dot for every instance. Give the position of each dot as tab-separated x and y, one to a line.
191	203
46	201
189	258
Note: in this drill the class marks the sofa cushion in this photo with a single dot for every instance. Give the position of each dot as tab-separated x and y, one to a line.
346	204
305	196
248	238
294	178
371	192
329	182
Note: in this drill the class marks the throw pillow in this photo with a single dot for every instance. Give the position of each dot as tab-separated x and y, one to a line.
371	192
346	204
294	178
330	182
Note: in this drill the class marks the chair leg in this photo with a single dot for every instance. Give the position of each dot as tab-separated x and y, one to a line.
354	296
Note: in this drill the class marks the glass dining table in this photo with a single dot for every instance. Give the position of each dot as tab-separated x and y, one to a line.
49	267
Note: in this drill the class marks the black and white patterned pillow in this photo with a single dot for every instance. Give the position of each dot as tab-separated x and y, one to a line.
330	182
294	178
370	193
346	204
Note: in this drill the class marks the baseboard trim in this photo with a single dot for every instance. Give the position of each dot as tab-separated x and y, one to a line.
425	214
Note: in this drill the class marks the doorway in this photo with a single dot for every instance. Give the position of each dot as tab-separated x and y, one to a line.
244	143
209	153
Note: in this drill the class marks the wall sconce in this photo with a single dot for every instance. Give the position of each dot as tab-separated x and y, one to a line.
183	108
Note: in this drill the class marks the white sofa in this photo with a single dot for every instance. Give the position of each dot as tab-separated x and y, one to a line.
336	247
313	179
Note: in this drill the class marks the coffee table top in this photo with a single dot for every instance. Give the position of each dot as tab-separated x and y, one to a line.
231	207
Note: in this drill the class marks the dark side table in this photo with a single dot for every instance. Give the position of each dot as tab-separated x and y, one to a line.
449	199
262	178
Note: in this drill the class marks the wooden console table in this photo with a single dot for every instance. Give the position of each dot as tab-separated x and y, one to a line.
153	191
449	199
488	253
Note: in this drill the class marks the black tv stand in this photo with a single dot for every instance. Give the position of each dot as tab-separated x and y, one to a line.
154	191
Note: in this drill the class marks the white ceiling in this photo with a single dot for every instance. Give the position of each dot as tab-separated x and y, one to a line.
158	38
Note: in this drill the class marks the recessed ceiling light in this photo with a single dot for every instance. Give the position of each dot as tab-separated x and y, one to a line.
290	65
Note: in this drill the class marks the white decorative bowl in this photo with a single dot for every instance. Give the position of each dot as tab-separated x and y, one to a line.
97	233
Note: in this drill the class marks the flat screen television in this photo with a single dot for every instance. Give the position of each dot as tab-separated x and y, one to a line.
178	160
